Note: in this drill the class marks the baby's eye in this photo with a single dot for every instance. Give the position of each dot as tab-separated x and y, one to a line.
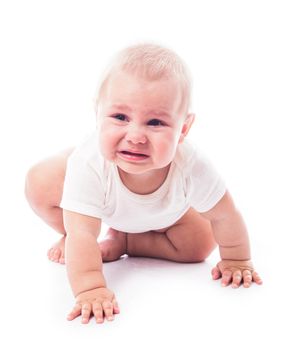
119	116
155	122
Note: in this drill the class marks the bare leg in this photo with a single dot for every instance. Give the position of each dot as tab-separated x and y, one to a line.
43	190
190	239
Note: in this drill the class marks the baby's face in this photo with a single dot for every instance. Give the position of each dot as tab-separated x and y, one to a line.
140	123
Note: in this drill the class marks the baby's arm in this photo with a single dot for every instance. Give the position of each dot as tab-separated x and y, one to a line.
84	269
232	237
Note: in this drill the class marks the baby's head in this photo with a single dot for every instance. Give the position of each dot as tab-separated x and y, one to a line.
151	63
142	108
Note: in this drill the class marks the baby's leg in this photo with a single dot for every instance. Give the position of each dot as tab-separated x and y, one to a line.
190	239
43	190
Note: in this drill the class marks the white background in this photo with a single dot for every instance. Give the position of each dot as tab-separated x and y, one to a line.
242	55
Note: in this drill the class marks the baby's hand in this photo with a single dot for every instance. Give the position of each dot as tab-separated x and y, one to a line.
99	301
236	272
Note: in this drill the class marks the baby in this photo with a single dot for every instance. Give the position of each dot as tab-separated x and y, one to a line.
138	174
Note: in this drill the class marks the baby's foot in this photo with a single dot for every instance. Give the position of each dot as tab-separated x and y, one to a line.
113	246
56	253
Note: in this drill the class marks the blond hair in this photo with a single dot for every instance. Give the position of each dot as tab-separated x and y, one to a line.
151	62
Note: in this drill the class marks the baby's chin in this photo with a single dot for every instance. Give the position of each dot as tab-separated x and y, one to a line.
136	169
133	169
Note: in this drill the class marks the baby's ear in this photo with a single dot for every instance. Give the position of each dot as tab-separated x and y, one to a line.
186	126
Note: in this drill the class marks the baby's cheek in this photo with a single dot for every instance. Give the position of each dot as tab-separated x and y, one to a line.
167	150
105	145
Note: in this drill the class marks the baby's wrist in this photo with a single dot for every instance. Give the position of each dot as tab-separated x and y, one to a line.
240	253
86	281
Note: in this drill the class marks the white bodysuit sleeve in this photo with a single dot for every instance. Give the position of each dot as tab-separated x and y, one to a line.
205	185
83	190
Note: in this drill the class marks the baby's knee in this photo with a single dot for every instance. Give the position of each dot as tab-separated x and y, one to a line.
197	254
35	185
44	181
192	258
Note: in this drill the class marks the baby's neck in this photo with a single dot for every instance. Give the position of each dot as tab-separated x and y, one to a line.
145	183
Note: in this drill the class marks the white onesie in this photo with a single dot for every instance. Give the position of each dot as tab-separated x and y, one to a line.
93	187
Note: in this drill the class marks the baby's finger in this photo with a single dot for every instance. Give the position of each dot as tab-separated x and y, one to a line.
256	278
116	308
247	278
76	311
237	277
216	273
108	310
98	312
86	312
226	278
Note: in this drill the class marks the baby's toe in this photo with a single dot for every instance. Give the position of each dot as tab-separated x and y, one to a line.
50	253
54	254
57	254
62	259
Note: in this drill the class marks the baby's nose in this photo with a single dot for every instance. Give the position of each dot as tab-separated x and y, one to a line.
136	135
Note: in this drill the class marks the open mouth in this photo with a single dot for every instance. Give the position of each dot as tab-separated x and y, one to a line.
133	155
